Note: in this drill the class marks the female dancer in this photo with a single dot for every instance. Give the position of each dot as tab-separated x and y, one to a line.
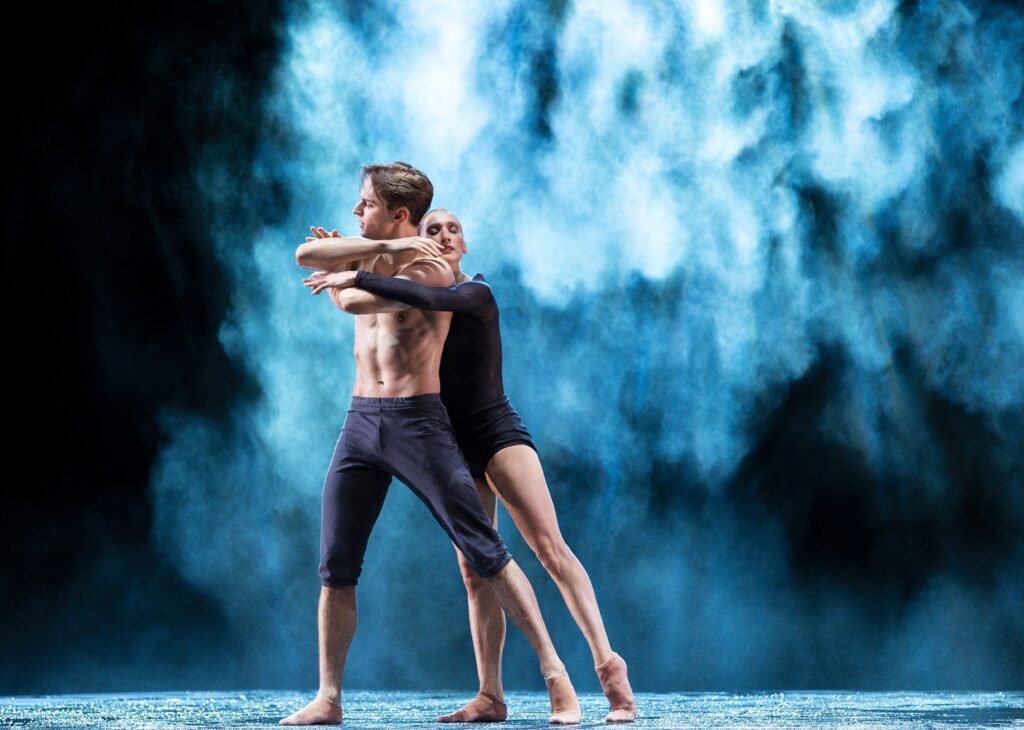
503	460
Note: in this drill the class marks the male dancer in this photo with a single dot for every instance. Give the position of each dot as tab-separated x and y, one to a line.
397	426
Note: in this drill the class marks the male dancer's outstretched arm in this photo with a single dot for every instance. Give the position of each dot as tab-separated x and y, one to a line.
333	252
336	253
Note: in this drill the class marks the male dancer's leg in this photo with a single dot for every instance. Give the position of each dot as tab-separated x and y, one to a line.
487	626
353	495
423	453
336	621
518	601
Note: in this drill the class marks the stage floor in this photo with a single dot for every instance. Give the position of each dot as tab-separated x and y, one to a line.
364	709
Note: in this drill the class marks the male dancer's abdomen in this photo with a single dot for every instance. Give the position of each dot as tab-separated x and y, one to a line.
398	354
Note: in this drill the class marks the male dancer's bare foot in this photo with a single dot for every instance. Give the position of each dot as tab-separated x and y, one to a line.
321	711
485	707
565	708
615	684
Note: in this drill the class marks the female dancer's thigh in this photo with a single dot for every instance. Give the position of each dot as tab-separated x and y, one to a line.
488	498
516	476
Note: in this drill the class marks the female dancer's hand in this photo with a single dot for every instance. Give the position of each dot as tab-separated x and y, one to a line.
320	280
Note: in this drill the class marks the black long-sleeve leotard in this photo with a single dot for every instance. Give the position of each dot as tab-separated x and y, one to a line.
471	359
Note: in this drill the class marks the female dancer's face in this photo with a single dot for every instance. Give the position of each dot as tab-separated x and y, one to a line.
446	230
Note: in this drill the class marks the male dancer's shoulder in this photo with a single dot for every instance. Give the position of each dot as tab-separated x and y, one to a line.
428	270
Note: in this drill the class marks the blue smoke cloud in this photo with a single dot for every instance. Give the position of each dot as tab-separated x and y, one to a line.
695	216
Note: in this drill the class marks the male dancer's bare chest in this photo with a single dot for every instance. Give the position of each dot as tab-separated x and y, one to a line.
400	343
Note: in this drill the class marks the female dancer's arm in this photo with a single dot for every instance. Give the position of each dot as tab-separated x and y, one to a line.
427	272
466	296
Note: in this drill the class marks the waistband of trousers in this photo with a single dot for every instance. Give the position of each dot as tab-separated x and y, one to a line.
365	403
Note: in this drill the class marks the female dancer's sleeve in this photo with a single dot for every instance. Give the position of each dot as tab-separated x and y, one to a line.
466	296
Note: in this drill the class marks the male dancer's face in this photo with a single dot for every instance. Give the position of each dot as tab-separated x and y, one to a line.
446	230
375	220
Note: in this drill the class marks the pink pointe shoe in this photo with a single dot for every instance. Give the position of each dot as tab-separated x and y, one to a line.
615	685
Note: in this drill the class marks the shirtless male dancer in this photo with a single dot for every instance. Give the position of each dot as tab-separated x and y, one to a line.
398	426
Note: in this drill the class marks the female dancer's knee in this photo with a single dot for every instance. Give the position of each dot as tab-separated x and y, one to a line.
554	554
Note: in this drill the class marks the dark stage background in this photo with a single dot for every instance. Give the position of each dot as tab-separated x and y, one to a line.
761	284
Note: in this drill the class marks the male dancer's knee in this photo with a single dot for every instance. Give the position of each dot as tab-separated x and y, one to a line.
337	573
477	541
490	565
475	585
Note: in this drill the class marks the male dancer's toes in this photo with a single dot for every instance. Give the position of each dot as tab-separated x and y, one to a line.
615	685
321	711
485	707
565	708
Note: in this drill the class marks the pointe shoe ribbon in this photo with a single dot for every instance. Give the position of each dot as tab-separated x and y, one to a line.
615	685
565	708
485	707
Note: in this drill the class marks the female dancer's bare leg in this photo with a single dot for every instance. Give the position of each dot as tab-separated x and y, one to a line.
516	475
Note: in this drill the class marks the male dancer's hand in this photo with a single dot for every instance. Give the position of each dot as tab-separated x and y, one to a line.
321	232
